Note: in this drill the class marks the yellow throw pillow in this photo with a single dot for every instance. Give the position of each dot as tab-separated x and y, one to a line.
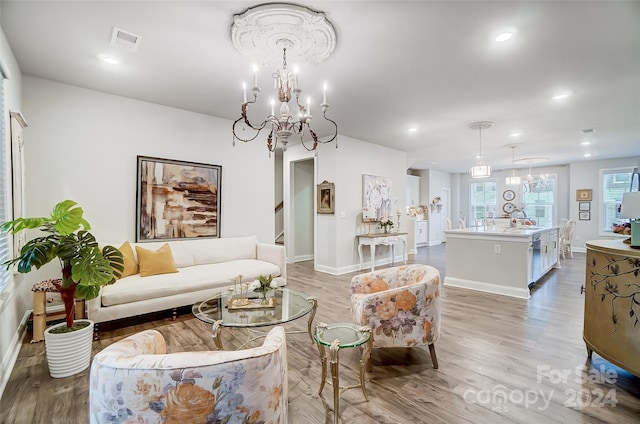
130	265
154	263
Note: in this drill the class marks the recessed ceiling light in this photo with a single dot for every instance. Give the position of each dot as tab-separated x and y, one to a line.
585	143
110	60
562	95
587	155
413	129
504	37
514	134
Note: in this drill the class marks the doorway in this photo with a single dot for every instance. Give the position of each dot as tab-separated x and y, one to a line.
299	177
302	209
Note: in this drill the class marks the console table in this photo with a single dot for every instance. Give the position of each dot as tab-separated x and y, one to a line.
385	239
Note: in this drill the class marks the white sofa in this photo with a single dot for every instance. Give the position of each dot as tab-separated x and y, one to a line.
205	267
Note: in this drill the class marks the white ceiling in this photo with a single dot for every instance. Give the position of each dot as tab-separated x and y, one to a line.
429	64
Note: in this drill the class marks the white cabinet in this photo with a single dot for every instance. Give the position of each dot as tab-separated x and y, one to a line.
422	231
435	230
418	235
549	249
413	190
544	253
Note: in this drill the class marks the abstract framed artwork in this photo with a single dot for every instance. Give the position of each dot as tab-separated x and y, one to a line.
326	197
584	216
177	200
376	194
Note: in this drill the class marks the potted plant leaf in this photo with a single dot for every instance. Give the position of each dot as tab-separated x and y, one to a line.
85	269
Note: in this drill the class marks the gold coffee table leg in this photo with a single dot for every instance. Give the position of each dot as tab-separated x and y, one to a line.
216	328
334	351
312	315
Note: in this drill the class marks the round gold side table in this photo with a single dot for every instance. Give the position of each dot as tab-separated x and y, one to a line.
342	336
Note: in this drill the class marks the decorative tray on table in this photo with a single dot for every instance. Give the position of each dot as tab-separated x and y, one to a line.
243	304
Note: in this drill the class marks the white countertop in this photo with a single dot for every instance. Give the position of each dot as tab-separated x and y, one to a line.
521	231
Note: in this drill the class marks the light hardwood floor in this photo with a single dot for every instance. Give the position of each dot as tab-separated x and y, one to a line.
502	360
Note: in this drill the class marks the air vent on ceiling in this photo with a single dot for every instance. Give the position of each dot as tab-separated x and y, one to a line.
125	39
589	131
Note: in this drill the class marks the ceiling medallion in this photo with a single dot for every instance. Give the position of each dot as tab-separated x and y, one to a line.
261	32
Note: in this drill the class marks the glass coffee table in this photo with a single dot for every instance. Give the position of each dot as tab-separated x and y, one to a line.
289	306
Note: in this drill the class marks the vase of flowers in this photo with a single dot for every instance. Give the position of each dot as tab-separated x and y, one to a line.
263	285
386	224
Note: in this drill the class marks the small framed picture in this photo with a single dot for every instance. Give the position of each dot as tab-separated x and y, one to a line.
325	197
583	194
585	216
584	206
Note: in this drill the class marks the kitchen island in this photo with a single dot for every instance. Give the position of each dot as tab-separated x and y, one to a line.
500	260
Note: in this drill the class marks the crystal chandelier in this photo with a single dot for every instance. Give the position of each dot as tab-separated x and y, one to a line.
285	125
513	180
480	170
538	184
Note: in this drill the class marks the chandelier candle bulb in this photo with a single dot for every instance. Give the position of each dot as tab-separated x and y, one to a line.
273	105
255	76
324	94
309	106
244	93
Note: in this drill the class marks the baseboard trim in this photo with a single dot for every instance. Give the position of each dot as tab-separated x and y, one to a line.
9	360
303	258
366	266
487	287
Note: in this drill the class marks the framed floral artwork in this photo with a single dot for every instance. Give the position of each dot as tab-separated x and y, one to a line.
177	200
376	194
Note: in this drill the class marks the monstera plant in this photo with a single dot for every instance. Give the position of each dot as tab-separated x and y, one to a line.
85	267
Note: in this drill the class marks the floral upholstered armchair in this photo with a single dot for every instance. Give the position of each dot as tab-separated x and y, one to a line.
400	304
135	381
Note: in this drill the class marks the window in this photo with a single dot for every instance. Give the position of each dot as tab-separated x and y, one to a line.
483	200
5	180
538	200
615	182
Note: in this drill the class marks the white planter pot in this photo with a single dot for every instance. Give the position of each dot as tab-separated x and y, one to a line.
68	353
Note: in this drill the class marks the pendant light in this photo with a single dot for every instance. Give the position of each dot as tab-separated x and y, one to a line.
480	170
513	180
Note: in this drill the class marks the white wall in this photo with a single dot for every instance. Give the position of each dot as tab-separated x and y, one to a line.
16	297
337	248
562	195
437	181
587	175
82	145
576	175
